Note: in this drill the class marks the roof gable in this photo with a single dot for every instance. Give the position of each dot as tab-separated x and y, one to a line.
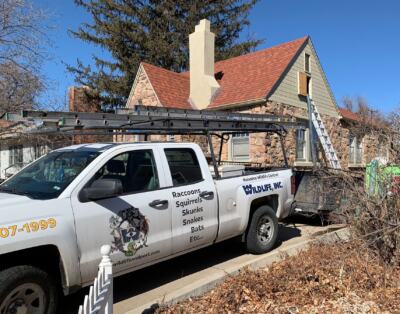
252	76
243	79
171	88
287	92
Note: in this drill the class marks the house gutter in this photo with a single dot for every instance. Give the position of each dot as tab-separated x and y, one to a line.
240	104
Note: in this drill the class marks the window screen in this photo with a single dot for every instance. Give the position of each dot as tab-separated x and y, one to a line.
184	166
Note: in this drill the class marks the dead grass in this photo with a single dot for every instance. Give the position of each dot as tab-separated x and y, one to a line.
335	278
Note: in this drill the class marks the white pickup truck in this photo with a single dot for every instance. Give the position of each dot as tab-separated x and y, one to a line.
149	201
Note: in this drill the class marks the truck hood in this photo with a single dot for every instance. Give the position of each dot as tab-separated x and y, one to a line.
15	209
7	199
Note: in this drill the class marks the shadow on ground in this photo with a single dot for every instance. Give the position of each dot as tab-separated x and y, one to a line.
140	281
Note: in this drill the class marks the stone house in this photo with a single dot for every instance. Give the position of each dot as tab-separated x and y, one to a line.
273	80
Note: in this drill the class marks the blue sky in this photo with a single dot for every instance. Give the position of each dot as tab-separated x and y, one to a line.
358	43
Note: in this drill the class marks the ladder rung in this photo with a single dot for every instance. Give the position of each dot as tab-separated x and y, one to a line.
323	135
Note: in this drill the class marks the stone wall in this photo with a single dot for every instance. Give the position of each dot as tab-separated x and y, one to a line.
143	93
265	148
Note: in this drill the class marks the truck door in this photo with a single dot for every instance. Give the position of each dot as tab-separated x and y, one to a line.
137	223
194	199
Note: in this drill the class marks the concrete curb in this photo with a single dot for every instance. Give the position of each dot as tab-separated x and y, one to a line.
207	283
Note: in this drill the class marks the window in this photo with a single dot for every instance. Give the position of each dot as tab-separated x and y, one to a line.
309	86
304	84
38	151
382	151
184	166
240	147
300	144
307	65
355	154
135	169
16	155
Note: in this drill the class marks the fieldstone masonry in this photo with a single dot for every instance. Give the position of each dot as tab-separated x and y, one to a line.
264	148
143	93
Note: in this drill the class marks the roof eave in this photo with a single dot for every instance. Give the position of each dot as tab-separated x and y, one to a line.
239	104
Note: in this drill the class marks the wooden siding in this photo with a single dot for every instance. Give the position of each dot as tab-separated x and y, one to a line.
287	91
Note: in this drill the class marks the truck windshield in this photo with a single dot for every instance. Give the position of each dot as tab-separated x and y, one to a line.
49	176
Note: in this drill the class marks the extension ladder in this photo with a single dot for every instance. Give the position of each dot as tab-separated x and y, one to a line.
323	135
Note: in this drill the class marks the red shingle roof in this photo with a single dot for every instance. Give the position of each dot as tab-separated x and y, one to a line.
349	115
171	88
245	78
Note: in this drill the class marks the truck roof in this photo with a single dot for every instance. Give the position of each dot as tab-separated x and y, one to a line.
102	147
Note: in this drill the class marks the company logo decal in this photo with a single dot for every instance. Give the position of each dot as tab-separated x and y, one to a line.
254	189
129	229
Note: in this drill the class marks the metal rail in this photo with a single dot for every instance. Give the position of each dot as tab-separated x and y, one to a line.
158	120
152	120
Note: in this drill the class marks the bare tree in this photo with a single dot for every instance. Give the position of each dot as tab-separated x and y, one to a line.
22	49
394	122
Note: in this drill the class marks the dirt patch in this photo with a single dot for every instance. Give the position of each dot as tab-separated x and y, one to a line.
335	278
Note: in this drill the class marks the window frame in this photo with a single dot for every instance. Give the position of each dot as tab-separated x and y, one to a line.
243	136
119	153
304	144
358	149
383	150
307	61
12	154
168	169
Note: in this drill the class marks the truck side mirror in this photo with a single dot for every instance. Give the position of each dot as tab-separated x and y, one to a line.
100	189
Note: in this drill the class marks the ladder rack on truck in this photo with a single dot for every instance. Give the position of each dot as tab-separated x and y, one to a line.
155	120
152	120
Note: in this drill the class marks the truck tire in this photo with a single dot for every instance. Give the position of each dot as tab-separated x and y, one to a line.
263	230
27	289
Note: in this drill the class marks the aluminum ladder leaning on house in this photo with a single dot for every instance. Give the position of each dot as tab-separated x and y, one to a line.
323	135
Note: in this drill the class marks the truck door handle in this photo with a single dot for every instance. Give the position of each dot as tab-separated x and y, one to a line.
159	204
208	195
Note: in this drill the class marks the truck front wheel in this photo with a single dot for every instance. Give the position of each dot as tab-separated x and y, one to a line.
27	289
263	230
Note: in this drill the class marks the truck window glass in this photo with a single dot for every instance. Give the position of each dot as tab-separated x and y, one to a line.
135	169
184	166
49	176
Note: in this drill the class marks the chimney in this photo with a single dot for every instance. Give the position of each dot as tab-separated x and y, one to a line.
203	84
79	101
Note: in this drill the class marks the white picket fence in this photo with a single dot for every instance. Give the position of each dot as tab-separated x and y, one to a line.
100	298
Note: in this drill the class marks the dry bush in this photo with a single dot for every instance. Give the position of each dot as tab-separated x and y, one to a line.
374	218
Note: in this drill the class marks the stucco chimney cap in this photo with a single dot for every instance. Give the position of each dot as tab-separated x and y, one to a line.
204	25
